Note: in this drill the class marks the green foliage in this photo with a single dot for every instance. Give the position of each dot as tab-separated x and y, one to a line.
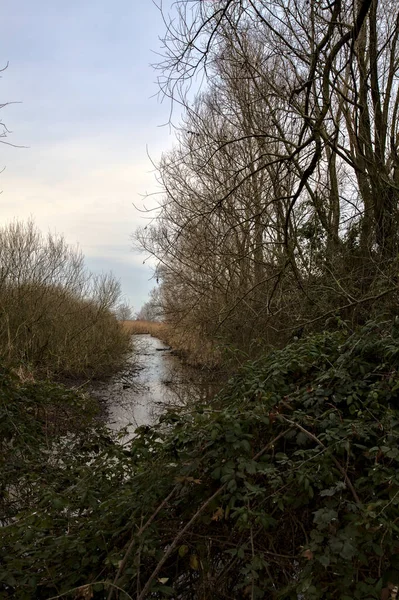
290	480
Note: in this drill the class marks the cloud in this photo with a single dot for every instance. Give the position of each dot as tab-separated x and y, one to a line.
88	115
88	206
92	207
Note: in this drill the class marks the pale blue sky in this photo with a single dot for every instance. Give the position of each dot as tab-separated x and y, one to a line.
82	72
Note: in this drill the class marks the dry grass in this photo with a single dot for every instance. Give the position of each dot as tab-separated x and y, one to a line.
155	329
24	374
194	348
56	318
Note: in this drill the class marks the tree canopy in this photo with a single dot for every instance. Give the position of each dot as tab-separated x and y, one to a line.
280	203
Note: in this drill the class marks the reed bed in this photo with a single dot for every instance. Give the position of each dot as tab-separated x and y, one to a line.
138	327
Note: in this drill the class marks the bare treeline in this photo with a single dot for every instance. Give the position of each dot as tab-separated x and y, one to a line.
55	315
281	195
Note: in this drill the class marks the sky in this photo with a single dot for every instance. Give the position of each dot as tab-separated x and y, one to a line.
86	110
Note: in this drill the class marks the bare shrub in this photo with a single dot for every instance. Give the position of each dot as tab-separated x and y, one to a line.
54	314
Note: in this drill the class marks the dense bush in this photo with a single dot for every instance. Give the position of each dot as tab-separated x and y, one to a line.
286	486
55	316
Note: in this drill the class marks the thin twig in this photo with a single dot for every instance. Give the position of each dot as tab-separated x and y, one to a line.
177	540
133	540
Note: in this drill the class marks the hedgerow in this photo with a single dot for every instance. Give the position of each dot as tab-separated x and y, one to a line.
285	486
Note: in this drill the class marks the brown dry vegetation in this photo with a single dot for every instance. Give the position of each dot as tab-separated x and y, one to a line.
56	318
195	350
140	327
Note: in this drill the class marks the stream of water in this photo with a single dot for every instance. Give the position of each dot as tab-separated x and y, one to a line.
159	381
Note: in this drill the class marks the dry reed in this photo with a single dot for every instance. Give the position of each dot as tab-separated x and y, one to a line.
154	328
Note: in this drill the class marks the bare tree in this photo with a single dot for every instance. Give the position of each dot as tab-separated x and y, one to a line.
281	196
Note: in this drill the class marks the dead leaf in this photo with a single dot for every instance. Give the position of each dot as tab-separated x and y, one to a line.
308	554
85	592
248	590
218	515
272	417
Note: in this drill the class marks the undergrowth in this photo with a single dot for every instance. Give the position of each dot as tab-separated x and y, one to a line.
285	486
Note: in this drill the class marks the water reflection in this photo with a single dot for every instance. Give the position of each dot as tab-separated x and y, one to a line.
157	380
